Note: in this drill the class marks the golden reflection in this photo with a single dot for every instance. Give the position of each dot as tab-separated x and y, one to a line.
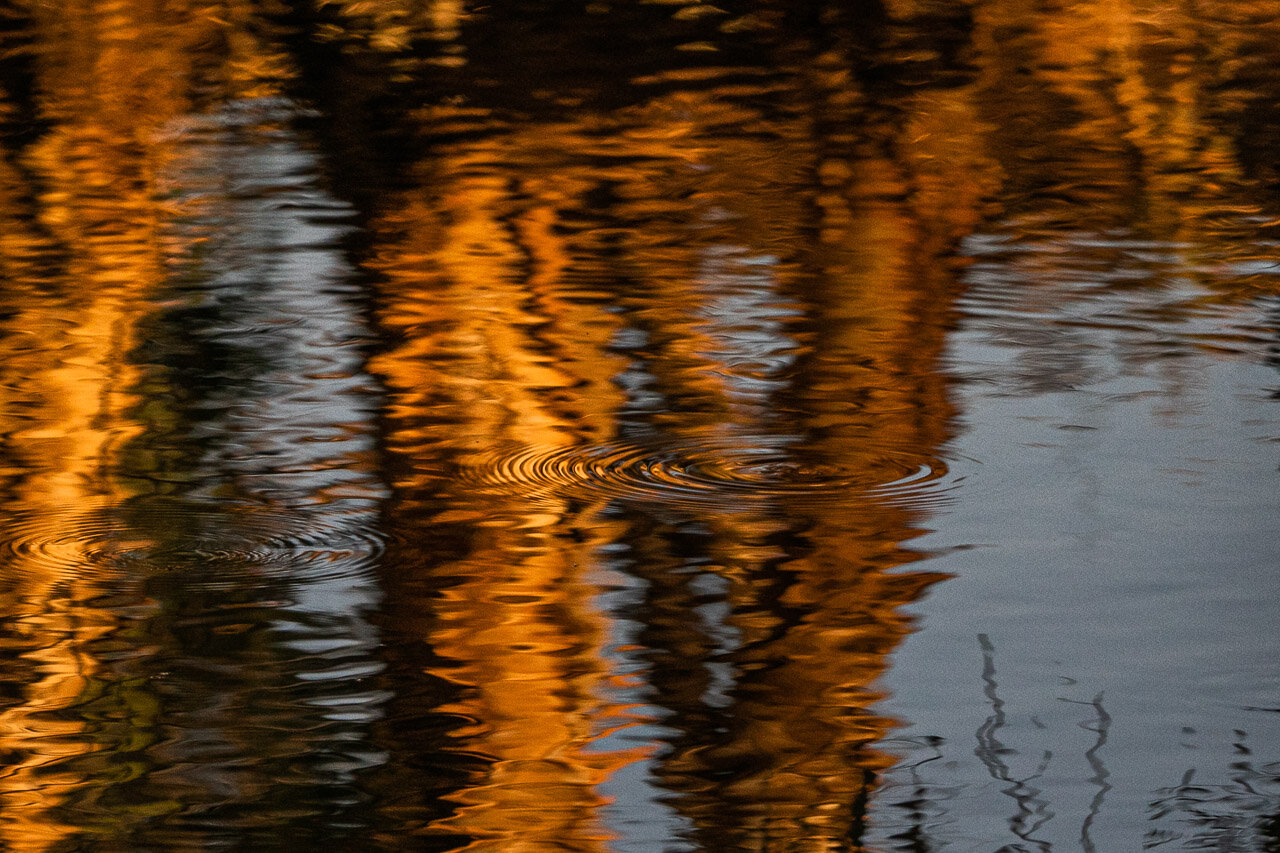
756	245
502	271
1147	97
527	638
572	281
496	357
86	213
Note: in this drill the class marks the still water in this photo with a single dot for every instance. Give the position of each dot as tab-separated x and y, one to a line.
640	426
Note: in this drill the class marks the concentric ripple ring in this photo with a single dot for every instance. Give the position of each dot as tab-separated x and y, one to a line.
210	546
699	474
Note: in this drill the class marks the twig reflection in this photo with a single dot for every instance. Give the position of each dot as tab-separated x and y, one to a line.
1100	726
1242	814
1032	810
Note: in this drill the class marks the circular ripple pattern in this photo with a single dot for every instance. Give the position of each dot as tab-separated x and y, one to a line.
704	475
209	546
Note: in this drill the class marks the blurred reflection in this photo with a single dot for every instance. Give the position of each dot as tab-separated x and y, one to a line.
519	446
189	473
627	358
738	238
68	201
1125	133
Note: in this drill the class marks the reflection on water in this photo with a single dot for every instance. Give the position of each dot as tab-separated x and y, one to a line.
537	426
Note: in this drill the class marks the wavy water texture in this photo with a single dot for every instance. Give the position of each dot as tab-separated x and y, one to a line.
742	475
604	427
226	548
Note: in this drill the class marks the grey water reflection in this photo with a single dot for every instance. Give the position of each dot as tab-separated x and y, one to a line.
556	426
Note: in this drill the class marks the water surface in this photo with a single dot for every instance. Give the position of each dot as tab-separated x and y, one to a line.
640	427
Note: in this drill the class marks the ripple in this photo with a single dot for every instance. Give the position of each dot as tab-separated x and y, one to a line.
212	546
705	474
